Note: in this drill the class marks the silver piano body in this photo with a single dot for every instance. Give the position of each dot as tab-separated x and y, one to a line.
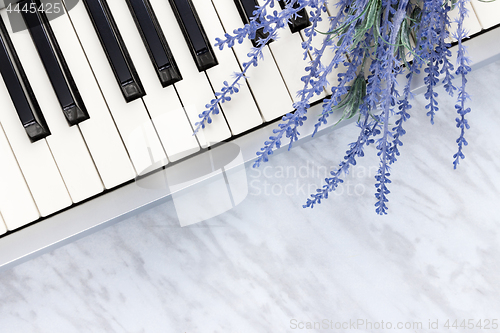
203	168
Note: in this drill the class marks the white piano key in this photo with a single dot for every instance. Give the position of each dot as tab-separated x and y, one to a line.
288	53
3	228
132	119
163	104
173	127
273	102
487	13
65	142
241	112
35	161
471	22
100	133
16	202
194	89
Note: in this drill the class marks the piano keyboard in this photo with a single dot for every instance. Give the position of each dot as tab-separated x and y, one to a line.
111	90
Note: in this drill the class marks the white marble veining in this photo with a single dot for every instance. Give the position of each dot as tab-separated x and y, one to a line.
268	262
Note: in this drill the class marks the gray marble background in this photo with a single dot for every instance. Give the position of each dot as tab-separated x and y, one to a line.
268	264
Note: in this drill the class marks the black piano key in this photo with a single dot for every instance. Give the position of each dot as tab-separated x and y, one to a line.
115	49
53	61
246	9
297	23
155	42
194	34
19	90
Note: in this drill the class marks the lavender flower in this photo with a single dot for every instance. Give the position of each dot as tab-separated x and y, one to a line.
462	70
373	36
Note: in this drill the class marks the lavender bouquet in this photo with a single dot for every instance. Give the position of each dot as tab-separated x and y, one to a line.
377	37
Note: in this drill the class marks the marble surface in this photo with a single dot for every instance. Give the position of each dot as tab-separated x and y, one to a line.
269	265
